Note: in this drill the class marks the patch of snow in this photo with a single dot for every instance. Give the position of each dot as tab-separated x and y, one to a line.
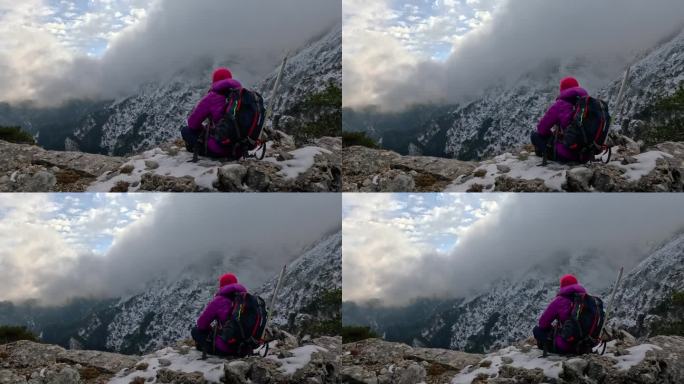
646	163
304	158
551	365
212	369
204	171
301	357
553	175
530	360
636	355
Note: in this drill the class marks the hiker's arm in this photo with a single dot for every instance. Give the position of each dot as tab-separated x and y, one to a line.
207	316
549	315
199	114
549	120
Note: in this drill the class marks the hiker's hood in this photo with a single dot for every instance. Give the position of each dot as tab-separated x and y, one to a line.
572	93
570	289
230	289
223	86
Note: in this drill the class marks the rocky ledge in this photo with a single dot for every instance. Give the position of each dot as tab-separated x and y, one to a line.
168	168
313	361
375	361
631	169
656	360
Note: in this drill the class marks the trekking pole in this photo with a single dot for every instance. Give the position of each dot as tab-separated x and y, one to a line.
612	299
272	303
275	293
621	94
618	108
279	78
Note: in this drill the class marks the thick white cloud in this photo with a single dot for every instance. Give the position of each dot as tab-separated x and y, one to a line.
150	41
160	236
503	237
515	38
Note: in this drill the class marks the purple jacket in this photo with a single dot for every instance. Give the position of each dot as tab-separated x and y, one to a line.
560	114
213	106
219	309
560	309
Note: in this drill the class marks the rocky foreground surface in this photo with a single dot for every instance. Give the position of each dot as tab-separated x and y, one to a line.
313	361
631	169
656	360
313	168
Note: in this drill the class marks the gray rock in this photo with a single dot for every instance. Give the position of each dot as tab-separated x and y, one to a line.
127	169
160	183
361	361
257	180
356	374
40	182
579	179
168	376
360	164
414	373
9	377
397	182
236	372
66	376
574	369
230	178
164	362
151	164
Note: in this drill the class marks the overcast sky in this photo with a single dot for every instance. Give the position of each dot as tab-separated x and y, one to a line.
397	52
52	50
57	246
398	247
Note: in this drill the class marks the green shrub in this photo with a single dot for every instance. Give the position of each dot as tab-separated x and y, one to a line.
671	311
664	120
16	135
322	113
350	139
10	334
351	334
330	97
325	308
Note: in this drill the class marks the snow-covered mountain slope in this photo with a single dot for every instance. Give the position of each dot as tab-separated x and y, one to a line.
645	300
657	75
165	311
307	73
507	311
158	111
154	115
503	117
311	286
509	308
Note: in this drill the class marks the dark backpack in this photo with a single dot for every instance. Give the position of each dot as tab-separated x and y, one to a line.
583	329
243	331
588	131
240	127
